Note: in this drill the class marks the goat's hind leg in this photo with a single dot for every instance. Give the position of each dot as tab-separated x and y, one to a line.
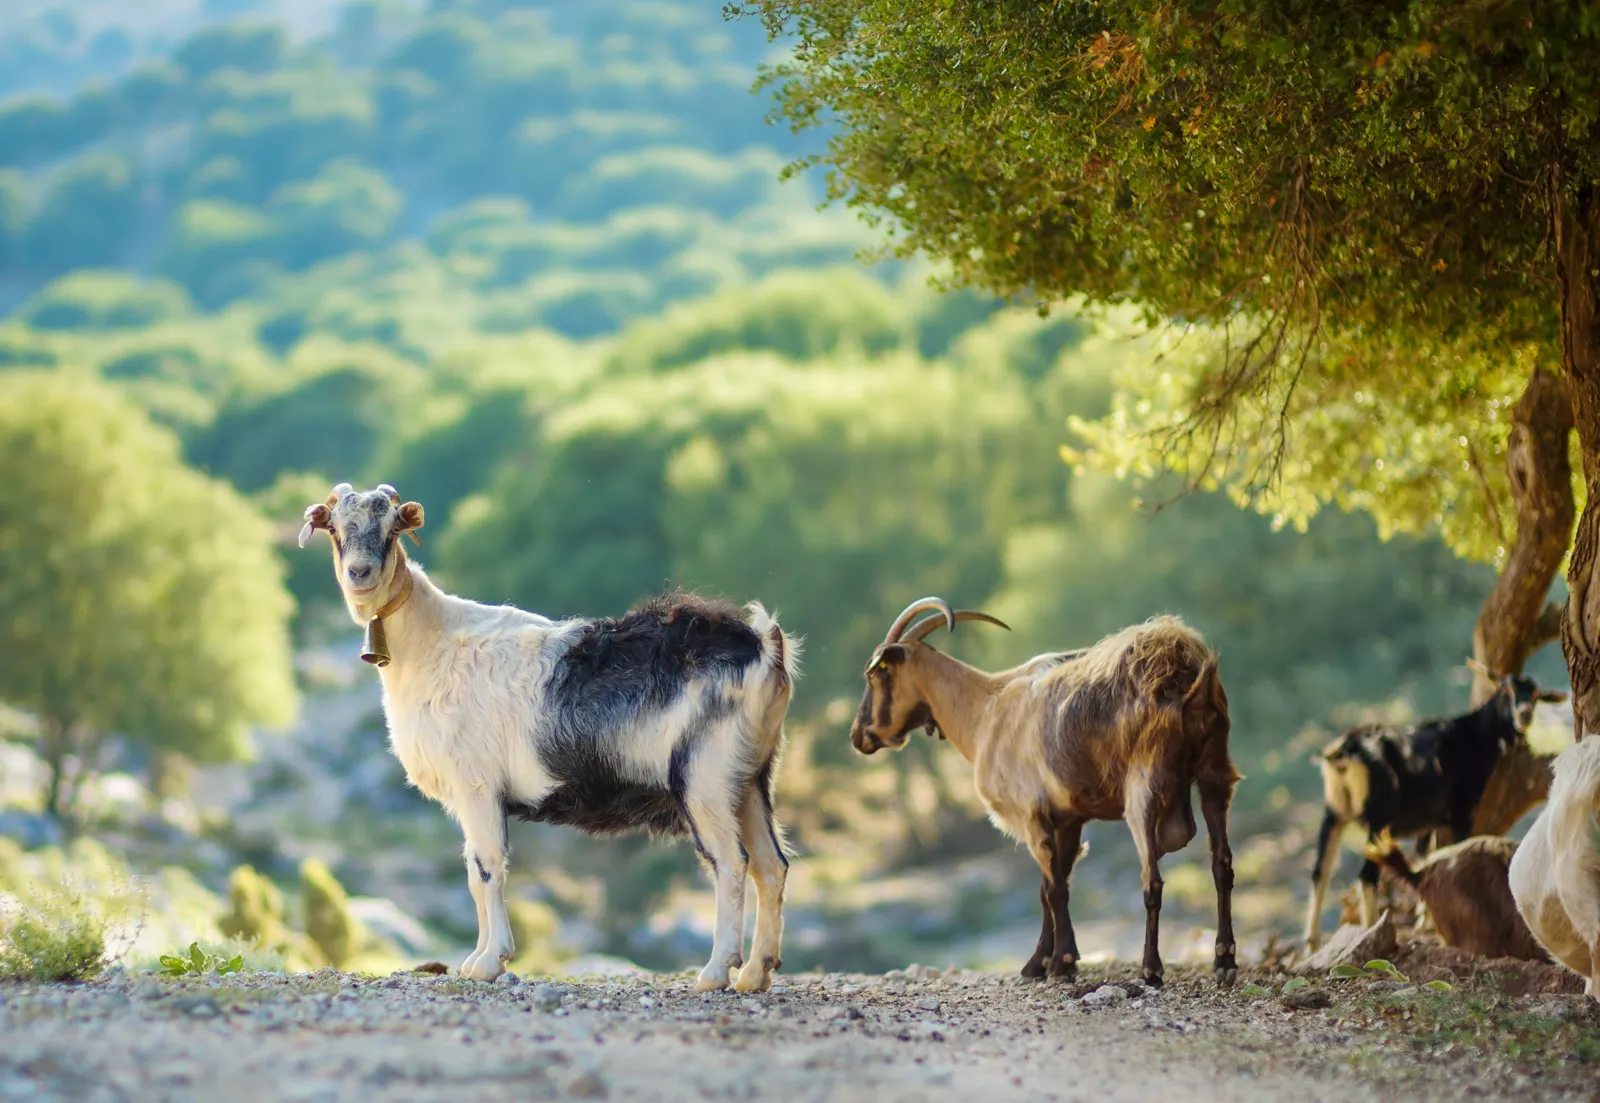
1143	816
483	823
1216	794
712	807
769	869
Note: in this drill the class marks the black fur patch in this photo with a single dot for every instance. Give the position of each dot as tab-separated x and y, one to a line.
483	873
616	673
763	786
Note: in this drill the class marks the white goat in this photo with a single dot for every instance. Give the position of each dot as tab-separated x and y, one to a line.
667	720
1555	874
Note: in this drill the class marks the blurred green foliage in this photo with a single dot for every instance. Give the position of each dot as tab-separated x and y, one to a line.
328	921
141	599
529	263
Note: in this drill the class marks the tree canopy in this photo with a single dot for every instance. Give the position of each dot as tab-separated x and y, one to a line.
142	601
1363	217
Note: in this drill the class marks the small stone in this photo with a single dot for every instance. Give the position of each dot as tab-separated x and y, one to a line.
853	1012
149	990
754	1006
546	997
928	1003
895	987
1306	999
779	990
199	1007
1105	996
646	1002
586	1085
508	980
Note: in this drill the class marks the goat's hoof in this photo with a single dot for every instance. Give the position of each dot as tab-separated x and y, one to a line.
1227	975
1063	971
753	978
711	980
1034	969
1152	978
484	967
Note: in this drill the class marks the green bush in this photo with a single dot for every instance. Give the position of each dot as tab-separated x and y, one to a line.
328	921
255	910
60	936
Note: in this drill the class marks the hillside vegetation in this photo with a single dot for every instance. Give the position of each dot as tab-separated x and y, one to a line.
533	264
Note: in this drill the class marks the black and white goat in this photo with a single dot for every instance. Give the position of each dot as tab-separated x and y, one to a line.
667	720
1413	781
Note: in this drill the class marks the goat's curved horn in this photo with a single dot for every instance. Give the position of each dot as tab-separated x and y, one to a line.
922	628
394	495
912	611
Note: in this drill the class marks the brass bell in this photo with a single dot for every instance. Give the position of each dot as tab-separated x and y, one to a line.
375	643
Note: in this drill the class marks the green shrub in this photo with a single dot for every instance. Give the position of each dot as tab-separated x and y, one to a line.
255	910
57	937
336	933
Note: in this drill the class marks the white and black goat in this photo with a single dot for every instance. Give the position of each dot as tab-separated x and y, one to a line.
667	720
1121	730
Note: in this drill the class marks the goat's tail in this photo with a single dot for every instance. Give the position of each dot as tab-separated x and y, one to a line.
1386	852
1205	700
780	652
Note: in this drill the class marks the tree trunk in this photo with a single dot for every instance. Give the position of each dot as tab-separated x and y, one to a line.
1515	620
1520	781
1577	231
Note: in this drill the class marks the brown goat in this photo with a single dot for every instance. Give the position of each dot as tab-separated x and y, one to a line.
1467	891
1120	730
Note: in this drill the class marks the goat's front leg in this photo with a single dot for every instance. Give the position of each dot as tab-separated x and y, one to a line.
716	836
1064	953
1041	842
483	824
1036	965
1144	821
1322	868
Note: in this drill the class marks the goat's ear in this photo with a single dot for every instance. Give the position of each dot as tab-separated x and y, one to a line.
411	520
894	654
317	517
1553	696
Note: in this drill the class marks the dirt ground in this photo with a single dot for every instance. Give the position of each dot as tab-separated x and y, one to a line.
913	1035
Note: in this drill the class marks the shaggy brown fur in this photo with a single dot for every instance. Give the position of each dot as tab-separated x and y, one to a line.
1467	893
1121	730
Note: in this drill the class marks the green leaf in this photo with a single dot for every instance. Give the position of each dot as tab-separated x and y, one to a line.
197	956
233	966
1345	972
1379	965
1254	989
1439	986
1294	985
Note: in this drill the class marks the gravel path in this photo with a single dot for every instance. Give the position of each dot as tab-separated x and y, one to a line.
919	1035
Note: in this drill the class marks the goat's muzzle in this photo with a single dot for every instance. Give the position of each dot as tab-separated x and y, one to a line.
863	740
